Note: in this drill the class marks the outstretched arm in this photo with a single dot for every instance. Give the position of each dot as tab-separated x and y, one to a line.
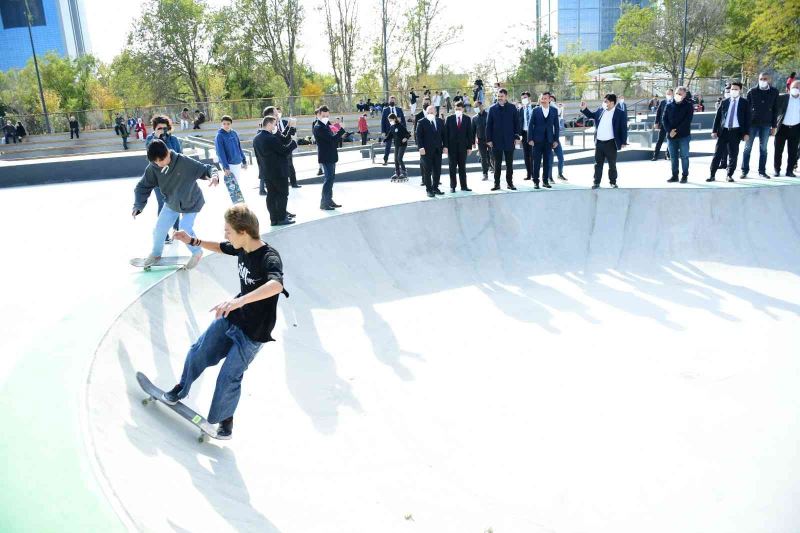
194	241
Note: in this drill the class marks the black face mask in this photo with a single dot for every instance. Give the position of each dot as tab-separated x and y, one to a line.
391	104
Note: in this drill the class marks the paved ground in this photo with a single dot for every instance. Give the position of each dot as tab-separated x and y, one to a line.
561	360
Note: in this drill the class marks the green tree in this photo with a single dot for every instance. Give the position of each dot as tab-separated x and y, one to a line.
427	33
538	64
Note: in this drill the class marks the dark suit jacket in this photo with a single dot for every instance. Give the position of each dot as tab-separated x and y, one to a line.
742	115
327	143
479	126
397	133
521	117
782	105
502	126
660	112
385	117
429	138
285	131
619	123
272	155
456	138
541	129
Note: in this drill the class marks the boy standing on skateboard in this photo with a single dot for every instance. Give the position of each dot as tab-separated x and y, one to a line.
242	324
176	175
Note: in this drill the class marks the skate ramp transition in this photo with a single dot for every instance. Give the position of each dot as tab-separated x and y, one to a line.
604	361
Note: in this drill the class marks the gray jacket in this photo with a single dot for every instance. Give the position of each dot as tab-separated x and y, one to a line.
178	184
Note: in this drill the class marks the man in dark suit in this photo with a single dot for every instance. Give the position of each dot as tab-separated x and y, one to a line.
430	139
657	125
611	135
502	133
273	156
788	129
479	137
392	108
286	129
731	125
421	116
543	133
524	119
327	155
458	145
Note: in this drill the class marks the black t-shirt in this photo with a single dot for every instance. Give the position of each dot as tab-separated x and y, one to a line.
256	268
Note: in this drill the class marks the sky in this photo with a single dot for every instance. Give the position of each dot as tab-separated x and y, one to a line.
109	21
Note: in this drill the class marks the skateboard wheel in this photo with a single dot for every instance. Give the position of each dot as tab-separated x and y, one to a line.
147	269
145	401
201	438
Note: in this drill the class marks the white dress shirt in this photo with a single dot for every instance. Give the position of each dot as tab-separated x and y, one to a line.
526	116
605	130
792	116
733	107
545	111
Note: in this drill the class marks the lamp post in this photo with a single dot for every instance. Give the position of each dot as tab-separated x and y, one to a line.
29	18
685	24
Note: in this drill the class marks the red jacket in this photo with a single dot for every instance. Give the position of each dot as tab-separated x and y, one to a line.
362	125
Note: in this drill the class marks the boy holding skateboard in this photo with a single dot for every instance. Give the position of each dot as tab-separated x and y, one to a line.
176	175
242	324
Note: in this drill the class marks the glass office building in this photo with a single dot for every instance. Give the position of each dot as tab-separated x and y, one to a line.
586	25
57	25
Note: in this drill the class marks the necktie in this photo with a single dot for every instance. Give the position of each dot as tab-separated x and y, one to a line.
434	124
459	122
393	112
527	116
731	113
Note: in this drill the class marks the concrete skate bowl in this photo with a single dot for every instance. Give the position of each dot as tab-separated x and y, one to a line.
598	361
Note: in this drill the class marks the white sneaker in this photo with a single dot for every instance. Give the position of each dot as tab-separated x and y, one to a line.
194	261
151	260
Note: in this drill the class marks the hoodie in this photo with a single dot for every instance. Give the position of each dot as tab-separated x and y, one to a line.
178	184
229	148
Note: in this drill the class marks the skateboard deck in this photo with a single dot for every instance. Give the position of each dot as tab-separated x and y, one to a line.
206	429
173	260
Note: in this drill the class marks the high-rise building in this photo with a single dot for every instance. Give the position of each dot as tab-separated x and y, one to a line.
57	25
585	25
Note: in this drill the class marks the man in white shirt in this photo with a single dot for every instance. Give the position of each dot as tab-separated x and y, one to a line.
525	113
611	135
731	125
788	129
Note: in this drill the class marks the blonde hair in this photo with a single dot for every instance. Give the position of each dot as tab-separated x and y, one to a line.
241	219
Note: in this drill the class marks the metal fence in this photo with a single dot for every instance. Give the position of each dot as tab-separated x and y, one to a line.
95	119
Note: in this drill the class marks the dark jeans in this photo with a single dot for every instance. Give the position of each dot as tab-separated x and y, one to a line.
542	151
364	135
762	132
432	169
399	152
457	162
662	134
727	145
558	151
605	151
486	156
277	198
125	141
387	149
9	137
787	135
679	152
222	340
498	156
329	171
527	155
160	200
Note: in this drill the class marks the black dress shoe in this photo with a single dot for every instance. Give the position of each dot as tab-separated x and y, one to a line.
327	208
496	188
710	179
595	186
385	162
654	158
547	185
284	222
296	186
528	178
421	183
790	175
511	188
673	179
437	191
535	185
452	190
730	179
561	177
777	173
763	175
290	215
319	172
614	186
334	204
466	190
684	179
431	194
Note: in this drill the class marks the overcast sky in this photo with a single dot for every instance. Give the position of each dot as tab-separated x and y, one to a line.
486	32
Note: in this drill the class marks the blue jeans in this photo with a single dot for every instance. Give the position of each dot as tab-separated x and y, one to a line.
166	218
160	200
222	340
558	151
329	170
679	148
762	132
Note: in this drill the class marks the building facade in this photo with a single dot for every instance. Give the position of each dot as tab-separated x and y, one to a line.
579	25
57	25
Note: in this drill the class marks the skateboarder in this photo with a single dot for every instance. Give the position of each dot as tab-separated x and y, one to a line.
176	175
242	324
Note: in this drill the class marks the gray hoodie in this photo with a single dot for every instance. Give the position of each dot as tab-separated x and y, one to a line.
178	184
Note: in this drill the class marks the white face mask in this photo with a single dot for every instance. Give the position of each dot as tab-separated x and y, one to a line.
727	94
794	91
763	84
324	120
525	101
678	98
669	97
430	116
621	100
279	115
734	93
459	113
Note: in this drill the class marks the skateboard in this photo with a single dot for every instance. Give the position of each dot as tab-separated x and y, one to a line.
173	260
206	430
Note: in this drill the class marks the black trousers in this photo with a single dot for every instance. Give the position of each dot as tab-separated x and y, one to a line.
727	148
662	134
292	173
498	156
457	161
527	154
432	169
542	150
76	132
787	135
277	198
605	151
399	152
486	156
364	135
